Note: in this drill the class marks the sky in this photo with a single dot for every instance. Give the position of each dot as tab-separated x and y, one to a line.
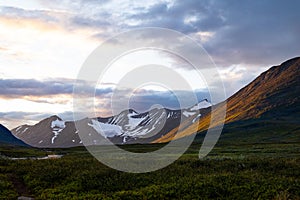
43	45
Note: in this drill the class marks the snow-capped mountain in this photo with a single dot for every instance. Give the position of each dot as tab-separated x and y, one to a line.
128	126
50	132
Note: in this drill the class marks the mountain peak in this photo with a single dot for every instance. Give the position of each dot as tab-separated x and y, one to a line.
131	111
202	104
290	61
54	117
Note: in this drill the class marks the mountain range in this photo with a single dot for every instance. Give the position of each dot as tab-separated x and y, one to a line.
127	127
269	103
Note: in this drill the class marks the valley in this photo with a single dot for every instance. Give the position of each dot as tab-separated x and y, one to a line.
260	170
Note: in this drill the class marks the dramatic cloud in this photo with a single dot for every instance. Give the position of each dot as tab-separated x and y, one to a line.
249	32
13	119
42	40
23	88
13	88
255	33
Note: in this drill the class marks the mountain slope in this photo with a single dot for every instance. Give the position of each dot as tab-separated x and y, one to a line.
49	132
7	138
273	94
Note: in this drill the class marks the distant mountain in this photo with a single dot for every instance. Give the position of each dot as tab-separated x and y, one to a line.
270	103
7	138
47	133
127	127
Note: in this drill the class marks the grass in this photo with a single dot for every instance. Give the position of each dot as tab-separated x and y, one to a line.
13	151
248	171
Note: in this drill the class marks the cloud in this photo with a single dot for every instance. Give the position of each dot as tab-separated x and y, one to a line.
13	88
20	13
51	20
61	91
253	33
185	16
249	32
36	90
23	115
257	33
32	87
42	20
13	119
72	5
86	22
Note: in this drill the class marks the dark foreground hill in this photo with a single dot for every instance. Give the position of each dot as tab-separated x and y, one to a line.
7	138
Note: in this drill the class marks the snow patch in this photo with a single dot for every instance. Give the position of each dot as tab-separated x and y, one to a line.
187	114
25	130
106	130
170	114
58	124
17	130
139	132
57	127
133	122
196	118
124	139
202	104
